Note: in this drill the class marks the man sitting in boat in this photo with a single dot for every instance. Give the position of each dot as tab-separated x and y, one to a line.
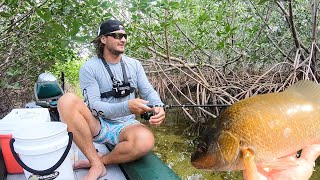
109	82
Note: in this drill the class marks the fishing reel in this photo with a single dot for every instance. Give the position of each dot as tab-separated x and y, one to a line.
146	115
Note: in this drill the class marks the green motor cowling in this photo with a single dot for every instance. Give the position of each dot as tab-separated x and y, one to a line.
47	91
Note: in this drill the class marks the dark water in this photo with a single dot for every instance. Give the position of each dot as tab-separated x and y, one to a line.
174	145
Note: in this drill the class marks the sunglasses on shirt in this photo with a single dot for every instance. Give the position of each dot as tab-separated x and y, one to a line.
117	35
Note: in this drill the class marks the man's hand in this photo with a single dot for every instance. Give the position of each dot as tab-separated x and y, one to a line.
303	170
158	117
138	106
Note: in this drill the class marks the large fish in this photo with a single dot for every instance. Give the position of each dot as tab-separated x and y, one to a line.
260	129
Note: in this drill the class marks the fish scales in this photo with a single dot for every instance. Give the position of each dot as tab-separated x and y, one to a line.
272	125
269	129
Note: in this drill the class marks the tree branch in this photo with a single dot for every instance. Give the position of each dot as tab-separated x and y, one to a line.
289	17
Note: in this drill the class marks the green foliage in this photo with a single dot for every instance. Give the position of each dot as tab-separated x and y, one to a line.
199	30
37	35
40	35
71	70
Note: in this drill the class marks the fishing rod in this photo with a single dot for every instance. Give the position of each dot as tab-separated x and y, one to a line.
188	105
148	114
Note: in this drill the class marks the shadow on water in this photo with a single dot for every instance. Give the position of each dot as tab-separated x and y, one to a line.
174	146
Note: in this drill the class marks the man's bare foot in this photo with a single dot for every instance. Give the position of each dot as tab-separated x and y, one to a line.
95	172
84	163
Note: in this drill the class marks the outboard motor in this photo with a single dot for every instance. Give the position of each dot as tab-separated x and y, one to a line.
47	91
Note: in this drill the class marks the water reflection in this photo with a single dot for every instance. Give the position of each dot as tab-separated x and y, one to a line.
174	146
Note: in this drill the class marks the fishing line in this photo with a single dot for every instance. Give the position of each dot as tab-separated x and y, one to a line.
188	105
148	114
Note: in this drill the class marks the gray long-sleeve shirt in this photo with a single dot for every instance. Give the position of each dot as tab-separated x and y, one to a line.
95	79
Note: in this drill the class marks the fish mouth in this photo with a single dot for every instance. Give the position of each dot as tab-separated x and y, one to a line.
195	160
201	160
194	157
198	166
209	158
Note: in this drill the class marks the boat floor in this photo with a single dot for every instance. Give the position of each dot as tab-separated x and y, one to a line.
113	171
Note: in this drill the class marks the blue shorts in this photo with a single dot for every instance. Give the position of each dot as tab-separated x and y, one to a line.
110	131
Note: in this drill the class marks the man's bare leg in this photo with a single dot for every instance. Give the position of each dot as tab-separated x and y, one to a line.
83	125
135	141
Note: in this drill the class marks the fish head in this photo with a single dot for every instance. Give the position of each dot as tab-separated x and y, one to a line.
220	151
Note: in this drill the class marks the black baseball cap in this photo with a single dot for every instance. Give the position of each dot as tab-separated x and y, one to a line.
109	26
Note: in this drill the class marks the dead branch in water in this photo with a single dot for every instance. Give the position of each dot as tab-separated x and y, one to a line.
188	83
206	79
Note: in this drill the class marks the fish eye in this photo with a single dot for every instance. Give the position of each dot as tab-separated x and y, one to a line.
202	147
196	142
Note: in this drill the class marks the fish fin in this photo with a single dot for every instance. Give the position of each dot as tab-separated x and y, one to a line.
229	144
249	164
307	88
280	164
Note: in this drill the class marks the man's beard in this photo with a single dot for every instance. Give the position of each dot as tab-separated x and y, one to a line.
115	52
